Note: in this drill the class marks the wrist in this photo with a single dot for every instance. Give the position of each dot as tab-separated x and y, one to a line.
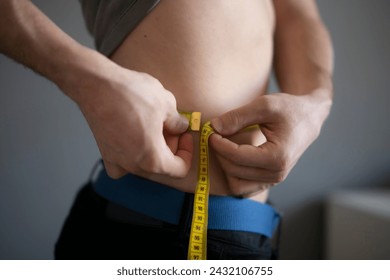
81	72
322	99
319	104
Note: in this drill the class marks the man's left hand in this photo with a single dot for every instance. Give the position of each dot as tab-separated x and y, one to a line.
290	123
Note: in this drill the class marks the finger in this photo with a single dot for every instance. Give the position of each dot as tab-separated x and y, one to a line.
250	173
176	124
263	156
185	150
172	141
237	119
178	164
113	170
246	188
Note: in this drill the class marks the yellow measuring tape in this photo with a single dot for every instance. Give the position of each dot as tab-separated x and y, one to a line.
197	247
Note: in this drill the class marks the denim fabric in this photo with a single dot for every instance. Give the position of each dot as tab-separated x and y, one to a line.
98	229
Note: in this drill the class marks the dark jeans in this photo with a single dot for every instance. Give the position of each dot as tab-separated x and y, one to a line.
98	229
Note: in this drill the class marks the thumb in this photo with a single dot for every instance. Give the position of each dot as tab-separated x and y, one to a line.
237	119
176	124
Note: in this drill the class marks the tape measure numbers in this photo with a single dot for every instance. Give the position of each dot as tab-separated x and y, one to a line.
197	248
198	238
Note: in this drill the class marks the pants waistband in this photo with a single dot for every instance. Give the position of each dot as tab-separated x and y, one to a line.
165	203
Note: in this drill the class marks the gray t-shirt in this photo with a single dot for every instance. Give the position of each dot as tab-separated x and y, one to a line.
110	21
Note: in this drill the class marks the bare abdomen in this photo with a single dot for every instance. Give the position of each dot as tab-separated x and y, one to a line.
213	56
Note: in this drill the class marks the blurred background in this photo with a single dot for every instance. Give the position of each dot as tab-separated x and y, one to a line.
335	203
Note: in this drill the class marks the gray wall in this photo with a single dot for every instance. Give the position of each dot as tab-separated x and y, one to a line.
354	148
47	150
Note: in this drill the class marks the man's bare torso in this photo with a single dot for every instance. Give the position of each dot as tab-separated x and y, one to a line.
213	56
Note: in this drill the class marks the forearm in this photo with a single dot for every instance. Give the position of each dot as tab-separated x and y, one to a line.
30	38
303	53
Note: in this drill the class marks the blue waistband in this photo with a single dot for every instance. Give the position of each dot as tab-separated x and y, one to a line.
165	203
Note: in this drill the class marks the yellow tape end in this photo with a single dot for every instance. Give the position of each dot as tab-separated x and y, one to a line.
195	121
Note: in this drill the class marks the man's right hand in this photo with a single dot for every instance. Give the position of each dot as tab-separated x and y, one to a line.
136	124
133	118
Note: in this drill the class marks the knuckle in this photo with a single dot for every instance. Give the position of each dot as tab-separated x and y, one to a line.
282	166
114	172
280	177
146	76
316	132
233	118
282	162
151	81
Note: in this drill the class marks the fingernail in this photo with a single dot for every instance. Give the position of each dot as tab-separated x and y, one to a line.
217	124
